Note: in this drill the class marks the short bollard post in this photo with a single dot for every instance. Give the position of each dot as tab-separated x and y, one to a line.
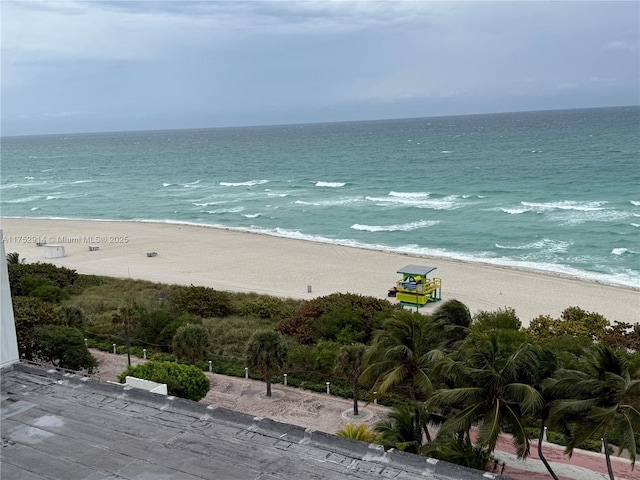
544	435
86	344
602	448
114	348
375	397
285	379
144	353
210	366
328	383
246	372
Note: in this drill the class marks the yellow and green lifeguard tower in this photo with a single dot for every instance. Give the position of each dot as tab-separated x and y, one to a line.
415	288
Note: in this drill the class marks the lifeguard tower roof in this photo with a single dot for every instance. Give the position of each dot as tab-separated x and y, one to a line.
416	270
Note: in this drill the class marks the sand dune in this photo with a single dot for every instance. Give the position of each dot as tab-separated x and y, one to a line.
239	261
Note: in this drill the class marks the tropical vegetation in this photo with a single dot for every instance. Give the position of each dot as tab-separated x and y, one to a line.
455	381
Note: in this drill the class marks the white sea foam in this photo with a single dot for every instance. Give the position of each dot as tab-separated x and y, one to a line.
546	244
635	202
515	211
329	203
409	194
405	227
164	184
22	199
207	204
330	184
249	183
226	210
252	215
622	251
564	205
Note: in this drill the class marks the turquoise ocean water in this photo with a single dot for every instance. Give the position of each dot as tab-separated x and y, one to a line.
557	191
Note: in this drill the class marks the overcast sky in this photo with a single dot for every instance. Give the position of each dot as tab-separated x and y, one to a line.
79	66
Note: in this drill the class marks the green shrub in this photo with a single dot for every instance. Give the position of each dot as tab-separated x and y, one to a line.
185	381
63	347
201	301
60	277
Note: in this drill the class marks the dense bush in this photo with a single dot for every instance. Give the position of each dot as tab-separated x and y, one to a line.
201	301
185	381
40	274
30	313
342	317
64	347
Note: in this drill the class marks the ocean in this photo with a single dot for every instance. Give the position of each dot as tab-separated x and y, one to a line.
555	191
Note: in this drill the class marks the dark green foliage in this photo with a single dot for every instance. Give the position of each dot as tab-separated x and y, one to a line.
41	287
574	321
267	355
200	301
185	381
74	316
501	319
267	307
13	258
452	320
84	281
343	317
64	347
49	274
349	364
602	401
191	343
30	313
404	428
401	357
157	328
325	355
492	390
624	335
460	450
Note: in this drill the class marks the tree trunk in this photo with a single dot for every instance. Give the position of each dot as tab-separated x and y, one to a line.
544	460
355	399
126	334
606	454
268	380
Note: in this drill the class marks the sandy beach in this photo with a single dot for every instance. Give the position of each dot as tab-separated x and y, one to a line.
239	261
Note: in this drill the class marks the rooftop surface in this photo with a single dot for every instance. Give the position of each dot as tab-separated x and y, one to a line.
65	426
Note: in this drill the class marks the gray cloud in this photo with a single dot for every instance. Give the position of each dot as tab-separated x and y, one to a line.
174	64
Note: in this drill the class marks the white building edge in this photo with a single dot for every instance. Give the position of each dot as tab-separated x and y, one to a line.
8	340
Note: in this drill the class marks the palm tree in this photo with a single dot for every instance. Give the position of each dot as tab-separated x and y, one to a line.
191	342
400	357
493	393
129	317
13	258
543	382
350	364
404	428
452	319
267	354
362	433
604	399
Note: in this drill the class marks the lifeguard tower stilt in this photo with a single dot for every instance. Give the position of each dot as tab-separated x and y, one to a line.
415	289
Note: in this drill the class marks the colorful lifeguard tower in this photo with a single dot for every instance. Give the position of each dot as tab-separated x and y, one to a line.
415	288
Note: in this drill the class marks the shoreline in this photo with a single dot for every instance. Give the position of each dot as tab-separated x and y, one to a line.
248	261
390	250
